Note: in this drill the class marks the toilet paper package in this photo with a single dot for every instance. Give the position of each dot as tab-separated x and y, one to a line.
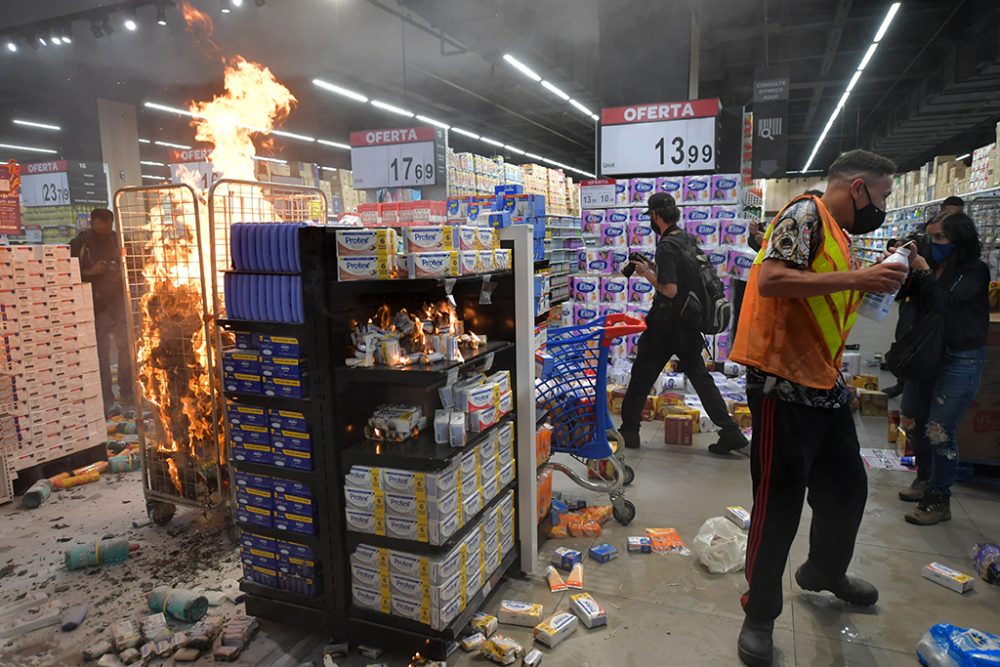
697	189
671	185
735	232
739	262
614	289
724	211
613	234
725	188
584	312
593	260
640	189
647	251
617	258
592	219
640	233
718	257
706	232
640	290
638	215
695	214
621	192
617	215
587	289
611	308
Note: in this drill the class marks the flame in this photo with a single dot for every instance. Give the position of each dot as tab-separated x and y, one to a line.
201	26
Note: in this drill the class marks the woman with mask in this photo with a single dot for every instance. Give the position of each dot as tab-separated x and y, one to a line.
948	278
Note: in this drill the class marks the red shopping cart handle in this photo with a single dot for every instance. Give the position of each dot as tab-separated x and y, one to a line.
621	324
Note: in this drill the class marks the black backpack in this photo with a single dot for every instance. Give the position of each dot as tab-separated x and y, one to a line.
701	299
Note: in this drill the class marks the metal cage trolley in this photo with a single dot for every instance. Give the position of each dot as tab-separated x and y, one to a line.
574	391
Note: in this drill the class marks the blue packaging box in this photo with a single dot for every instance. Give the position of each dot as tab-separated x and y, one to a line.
454	206
288	550
538	202
472	214
287	419
260	542
539	224
602	553
498	219
256	481
509	189
295	523
246	340
264	576
246	415
298	566
290	487
248	495
254	516
291	368
297	584
284	388
293	459
257	435
294	505
245	451
242	382
241	361
281	346
285	439
565	558
261	557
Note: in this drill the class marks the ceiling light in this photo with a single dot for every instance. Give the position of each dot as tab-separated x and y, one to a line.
391	108
595	117
144	141
169	109
129	21
487	140
335	144
237	3
438	123
224	6
161	14
31	123
328	168
853	82
512	149
30	149
471	135
275	160
533	156
169	144
582	109
41	40
55	40
66	39
12	47
340	91
150	177
962	157
151	163
555	91
521	67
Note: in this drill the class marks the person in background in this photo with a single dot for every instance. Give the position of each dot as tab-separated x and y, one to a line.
949	279
953	204
101	266
800	306
667	334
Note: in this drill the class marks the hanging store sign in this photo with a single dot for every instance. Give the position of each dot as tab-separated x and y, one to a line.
770	122
63	182
664	137
10	198
399	157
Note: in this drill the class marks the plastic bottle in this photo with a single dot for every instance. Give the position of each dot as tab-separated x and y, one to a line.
123	463
180	603
875	306
37	494
98	553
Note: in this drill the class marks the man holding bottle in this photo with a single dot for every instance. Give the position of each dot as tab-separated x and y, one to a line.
800	305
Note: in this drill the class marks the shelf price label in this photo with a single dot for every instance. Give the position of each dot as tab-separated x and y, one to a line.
599	193
402	157
669	137
45	184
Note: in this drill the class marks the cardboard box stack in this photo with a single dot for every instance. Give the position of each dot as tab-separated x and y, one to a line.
50	384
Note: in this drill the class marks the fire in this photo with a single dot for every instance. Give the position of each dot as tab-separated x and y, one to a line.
402	339
201	26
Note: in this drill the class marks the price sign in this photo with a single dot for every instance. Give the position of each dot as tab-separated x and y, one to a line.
405	157
45	184
669	137
598	193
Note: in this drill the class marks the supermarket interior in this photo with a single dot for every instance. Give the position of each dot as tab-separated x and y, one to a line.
376	333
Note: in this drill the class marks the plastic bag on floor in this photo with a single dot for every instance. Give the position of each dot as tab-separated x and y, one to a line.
721	545
950	646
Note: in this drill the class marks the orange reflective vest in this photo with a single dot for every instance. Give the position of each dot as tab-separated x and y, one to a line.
802	339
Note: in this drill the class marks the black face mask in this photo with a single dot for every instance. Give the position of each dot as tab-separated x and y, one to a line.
868	218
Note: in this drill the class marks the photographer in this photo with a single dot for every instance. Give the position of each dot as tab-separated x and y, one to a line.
101	266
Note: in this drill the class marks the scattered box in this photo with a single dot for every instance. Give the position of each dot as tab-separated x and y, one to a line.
947	577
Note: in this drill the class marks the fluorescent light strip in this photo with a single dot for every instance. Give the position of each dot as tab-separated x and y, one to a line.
31	123
433	122
893	9
154	178
275	160
555	91
293	135
494	142
169	144
471	135
30	149
334	88
513	149
522	68
144	141
962	157
328	168
385	106
335	144
150	163
191	114
576	105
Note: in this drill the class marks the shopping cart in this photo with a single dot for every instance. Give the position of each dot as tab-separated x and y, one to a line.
573	388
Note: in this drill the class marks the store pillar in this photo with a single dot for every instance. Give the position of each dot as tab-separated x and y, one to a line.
119	143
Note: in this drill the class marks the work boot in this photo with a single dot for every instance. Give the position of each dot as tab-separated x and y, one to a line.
730	439
933	508
756	646
850	589
631	439
914	492
893	391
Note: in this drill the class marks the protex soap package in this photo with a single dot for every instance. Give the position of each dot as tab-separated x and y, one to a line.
590	612
525	614
556	628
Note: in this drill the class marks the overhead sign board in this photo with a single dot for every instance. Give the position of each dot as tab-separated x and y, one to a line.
770	122
62	182
661	137
398	157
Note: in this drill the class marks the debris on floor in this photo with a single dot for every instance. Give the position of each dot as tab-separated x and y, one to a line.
946	644
556	628
947	577
526	614
591	614
501	650
602	553
986	561
666	540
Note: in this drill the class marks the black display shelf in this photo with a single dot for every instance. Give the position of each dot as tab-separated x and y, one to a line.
267	605
260	590
367	626
313	541
291	329
306	476
421	454
423	548
418	374
278	402
412	284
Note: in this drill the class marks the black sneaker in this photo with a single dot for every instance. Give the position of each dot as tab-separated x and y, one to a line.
933	508
850	589
756	645
730	439
914	492
631	439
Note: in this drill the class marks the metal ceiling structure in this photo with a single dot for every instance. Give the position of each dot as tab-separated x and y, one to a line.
931	88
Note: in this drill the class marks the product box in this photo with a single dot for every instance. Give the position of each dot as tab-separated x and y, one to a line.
249	495
246	415
622	192
247	433
592	218
565	558
725	212
695	214
640	233
613	234
706	232
431	239
431	264
725	188
243	383
467	237
677	430
614	289
738	515
289	368
261	543
358	242
287	419
640	290
619	216
947	577
640	189
366	267
671	185
254	516
283	387
873	403
697	189
735	231
293	522
253	453
281	346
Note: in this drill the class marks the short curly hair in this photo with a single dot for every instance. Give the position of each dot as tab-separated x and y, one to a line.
856	163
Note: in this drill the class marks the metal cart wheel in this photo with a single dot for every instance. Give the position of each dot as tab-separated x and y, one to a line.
625	513
159	512
629	474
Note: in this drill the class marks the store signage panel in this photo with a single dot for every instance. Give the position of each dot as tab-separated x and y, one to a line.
599	193
397	157
45	185
661	137
770	122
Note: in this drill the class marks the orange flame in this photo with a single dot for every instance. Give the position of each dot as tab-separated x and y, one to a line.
200	25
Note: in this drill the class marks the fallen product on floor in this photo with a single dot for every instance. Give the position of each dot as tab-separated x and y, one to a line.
721	546
945	645
986	561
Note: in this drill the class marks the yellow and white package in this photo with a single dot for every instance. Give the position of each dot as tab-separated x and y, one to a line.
355	242
432	264
947	577
487	238
366	267
501	650
738	515
525	614
473	642
467	237
430	239
468	261
591	614
484	623
556	628
480	420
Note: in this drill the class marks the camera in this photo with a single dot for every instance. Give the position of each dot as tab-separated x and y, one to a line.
629	268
